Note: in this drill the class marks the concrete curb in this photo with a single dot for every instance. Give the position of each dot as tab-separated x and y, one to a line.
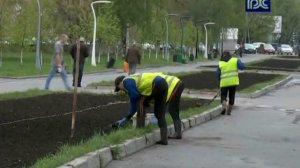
267	89
102	157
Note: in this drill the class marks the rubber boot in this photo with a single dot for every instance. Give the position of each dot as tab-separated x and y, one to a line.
177	127
224	107
229	109
163	136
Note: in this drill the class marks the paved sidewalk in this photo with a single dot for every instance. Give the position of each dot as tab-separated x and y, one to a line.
261	133
10	85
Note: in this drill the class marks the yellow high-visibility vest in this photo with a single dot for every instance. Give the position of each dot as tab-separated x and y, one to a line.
172	82
229	73
144	82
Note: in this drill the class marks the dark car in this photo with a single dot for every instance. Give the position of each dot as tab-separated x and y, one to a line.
276	46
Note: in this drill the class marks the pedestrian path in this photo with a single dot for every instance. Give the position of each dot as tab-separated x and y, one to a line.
11	85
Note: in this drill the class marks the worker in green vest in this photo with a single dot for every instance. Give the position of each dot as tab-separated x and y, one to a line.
228	75
142	86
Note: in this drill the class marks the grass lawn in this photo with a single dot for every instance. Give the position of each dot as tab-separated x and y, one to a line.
11	65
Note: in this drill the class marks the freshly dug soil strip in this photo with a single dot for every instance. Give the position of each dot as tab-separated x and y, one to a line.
207	80
22	143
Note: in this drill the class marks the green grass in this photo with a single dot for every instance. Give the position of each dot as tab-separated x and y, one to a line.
102	83
70	152
262	85
24	94
10	64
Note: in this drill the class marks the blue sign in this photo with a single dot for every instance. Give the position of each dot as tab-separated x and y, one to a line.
258	5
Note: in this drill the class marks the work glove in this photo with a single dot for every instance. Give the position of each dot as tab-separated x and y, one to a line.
121	122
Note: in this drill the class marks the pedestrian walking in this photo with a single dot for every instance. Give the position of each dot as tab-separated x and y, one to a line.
58	62
84	53
143	86
228	75
133	57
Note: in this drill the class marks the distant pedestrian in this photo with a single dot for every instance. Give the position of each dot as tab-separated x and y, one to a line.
133	58
241	49
58	62
84	52
228	75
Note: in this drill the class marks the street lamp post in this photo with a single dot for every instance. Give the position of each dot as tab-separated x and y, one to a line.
197	37
208	23
38	39
181	24
166	49
94	36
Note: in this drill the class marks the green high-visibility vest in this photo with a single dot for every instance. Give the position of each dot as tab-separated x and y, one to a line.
229	73
144	82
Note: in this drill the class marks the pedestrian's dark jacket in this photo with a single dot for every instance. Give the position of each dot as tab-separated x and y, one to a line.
133	56
84	52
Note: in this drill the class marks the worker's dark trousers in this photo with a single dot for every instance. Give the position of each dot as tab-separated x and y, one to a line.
174	101
159	94
228	90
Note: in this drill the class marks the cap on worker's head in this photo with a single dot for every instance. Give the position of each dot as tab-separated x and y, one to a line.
226	53
118	80
81	39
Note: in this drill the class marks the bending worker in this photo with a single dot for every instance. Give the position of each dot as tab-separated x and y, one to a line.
228	75
139	87
175	90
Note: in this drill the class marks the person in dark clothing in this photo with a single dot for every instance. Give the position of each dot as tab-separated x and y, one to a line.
227	74
84	52
133	58
140	87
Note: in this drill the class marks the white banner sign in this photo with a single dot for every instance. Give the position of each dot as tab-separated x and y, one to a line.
278	24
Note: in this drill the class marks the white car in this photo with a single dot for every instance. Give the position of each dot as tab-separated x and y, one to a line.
285	49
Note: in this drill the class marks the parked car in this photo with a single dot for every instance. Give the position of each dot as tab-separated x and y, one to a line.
146	46
257	44
266	49
276	46
249	48
269	49
285	49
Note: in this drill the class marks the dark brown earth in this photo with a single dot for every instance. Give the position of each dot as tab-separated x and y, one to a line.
207	80
289	57
22	143
287	64
277	64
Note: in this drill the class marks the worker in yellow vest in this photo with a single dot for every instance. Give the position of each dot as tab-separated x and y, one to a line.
228	75
175	90
139	87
